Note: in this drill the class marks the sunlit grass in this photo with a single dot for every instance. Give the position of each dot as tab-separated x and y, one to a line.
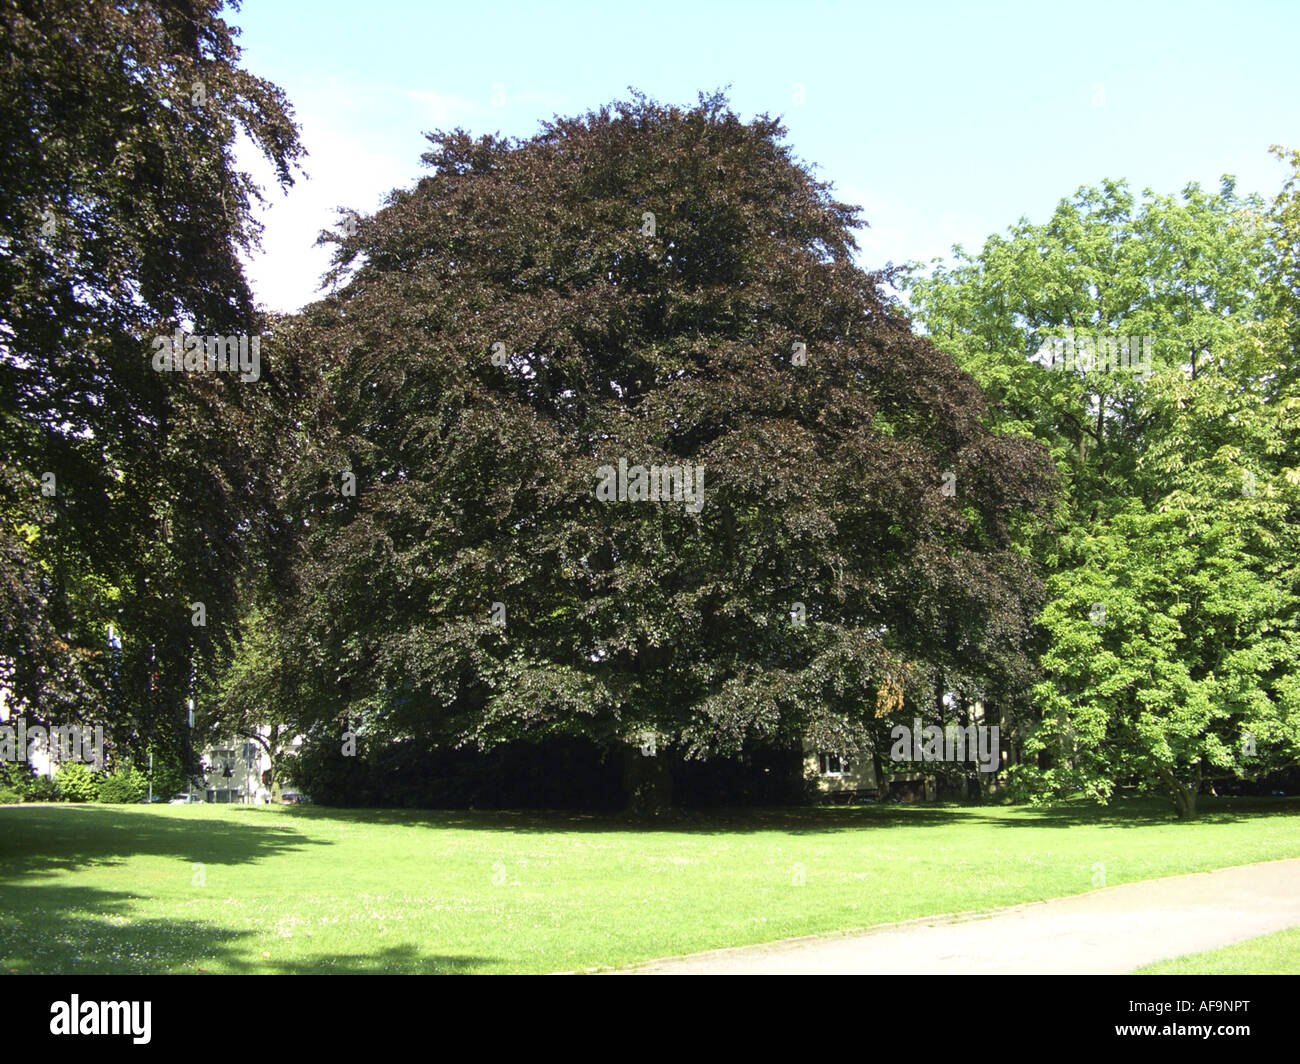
1275	954
308	889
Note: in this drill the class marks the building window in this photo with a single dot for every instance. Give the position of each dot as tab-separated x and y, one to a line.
834	765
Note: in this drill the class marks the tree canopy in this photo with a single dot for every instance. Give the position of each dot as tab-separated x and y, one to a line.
660	287
1171	630
131	496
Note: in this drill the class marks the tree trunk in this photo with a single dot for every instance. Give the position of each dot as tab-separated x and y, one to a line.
272	748
1183	794
970	774
882	782
941	718
648	781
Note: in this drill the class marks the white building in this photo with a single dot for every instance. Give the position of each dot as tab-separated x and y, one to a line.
238	771
38	754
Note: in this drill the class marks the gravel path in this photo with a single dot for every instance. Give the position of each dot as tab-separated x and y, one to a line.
1107	931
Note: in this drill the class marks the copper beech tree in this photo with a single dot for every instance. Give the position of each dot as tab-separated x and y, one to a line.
624	445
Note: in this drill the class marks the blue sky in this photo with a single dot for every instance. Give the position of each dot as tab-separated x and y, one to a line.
945	122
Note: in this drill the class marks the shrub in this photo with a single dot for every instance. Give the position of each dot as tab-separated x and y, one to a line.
125	787
41	789
14	781
77	783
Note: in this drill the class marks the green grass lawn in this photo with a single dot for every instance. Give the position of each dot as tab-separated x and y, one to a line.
1276	954
307	889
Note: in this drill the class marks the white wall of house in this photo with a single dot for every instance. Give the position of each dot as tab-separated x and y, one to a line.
247	760
38	756
834	775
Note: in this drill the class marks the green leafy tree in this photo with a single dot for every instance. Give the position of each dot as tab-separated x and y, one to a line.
128	493
1170	629
1282	290
261	694
1173	649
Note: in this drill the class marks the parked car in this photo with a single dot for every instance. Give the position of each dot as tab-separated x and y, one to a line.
291	798
186	799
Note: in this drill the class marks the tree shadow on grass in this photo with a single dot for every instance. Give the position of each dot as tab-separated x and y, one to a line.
46	930
805	820
792	820
45	840
1147	812
402	959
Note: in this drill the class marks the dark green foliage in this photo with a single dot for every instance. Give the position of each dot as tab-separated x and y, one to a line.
475	481
559	774
41	789
15	779
122	215
554	774
763	776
